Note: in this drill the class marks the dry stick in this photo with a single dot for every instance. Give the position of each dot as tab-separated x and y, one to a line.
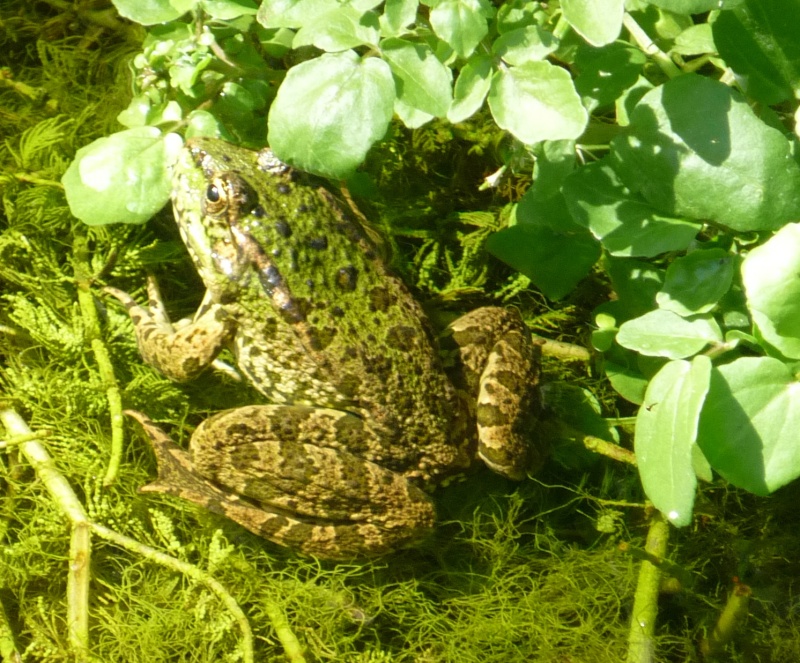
80	548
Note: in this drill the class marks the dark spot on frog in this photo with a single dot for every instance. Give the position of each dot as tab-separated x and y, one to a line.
349	385
322	337
284	188
318	243
347	278
402	337
283	228
259	212
337	312
380	299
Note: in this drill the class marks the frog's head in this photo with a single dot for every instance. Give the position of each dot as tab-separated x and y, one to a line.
209	198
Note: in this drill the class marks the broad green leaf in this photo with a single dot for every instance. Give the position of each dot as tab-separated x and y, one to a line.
625	223
635	284
627	382
424	83
696	40
749	425
555	261
694	148
461	24
329	111
292	13
605	73
666	431
338	30
598	21
409	115
696	282
692	6
662	333
398	15
758	40
227	10
525	45
771	277
472	86
555	160
537	101
148	12
122	178
516	14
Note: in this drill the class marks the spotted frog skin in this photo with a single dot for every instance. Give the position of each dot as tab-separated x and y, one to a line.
363	418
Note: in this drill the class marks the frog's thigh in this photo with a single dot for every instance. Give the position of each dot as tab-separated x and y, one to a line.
500	362
304	462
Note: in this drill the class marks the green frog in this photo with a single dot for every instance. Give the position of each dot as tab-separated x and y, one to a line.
363	418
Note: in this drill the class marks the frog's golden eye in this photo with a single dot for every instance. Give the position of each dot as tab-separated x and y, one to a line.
216	197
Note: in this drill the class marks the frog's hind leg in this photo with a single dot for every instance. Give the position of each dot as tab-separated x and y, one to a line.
499	364
269	469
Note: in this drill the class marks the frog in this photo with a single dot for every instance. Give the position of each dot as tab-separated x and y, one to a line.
367	409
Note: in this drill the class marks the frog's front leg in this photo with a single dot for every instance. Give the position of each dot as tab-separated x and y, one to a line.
178	351
293	475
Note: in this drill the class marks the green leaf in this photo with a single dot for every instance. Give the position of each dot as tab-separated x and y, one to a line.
666	431
397	16
748	429
227	10
122	178
692	6
695	148
555	160
537	101
424	83
461	24
329	111
605	73
662	333
472	86
695	40
696	282
635	284
555	260
758	40
148	12
771	278
292	13
525	45
338	30
625	223
516	14
598	21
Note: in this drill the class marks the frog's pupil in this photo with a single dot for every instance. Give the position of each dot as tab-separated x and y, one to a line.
212	193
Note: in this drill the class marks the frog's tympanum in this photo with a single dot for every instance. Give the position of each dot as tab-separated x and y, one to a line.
363	418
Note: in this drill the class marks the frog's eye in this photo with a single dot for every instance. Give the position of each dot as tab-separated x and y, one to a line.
217	196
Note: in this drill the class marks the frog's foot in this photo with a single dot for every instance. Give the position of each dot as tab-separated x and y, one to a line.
181	351
501	365
321	501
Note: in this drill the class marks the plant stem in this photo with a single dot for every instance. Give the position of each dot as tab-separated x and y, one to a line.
732	616
663	60
101	356
80	552
641	638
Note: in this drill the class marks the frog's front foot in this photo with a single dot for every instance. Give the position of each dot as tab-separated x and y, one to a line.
266	467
